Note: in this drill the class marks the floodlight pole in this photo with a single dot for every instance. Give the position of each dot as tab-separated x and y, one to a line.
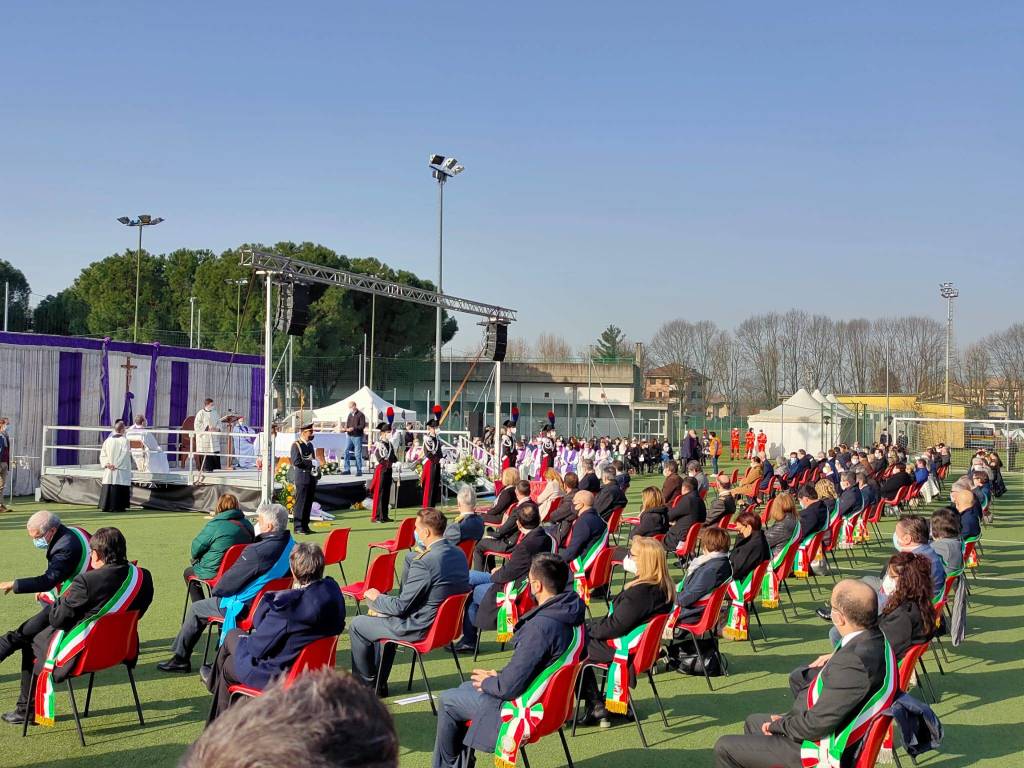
267	477
441	179
138	269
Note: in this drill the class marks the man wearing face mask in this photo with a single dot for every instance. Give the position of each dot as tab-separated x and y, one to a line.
206	426
437	573
67	555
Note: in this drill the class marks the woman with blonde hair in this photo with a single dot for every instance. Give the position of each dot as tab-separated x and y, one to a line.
505	500
554	490
649	594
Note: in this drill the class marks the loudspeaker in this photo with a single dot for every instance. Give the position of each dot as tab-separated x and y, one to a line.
497	341
476	424
293	302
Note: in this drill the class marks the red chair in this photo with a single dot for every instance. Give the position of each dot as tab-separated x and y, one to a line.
641	662
872	741
812	548
614	521
707	623
767	511
755	589
911	659
734	477
380	575
467	546
834	532
113	641
523	604
317	655
443	632
405	538
245	623
898	499
686	549
230	557
336	550
599	574
704	492
557	703
723	521
785	571
873	516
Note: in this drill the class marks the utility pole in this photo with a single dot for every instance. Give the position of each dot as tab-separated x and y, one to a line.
949	292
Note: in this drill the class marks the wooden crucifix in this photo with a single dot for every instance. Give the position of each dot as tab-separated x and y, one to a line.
128	368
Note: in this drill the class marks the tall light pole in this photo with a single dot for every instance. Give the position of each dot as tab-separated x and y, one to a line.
191	318
442	168
949	292
144	220
238	302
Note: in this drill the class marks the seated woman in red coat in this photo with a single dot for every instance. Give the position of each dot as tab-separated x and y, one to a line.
284	624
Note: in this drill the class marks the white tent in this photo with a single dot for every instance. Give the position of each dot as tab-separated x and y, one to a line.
373	406
799	422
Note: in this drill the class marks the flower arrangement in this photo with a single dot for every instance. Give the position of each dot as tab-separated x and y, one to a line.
467	470
330	468
286	495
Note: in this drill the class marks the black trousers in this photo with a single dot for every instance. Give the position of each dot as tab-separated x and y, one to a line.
195	589
755	750
303	504
223	675
485	544
21	639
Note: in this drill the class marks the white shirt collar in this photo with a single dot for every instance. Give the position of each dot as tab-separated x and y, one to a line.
850	637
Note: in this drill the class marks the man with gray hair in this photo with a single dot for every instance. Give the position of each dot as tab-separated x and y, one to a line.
588	478
262	561
67	555
610	496
468	526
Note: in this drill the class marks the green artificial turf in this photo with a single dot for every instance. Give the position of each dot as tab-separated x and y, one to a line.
982	692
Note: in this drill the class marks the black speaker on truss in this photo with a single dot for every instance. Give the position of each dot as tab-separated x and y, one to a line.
497	341
476	424
293	302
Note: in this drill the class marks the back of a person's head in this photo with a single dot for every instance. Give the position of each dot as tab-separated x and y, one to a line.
693	466
945	524
109	545
529	515
608	474
523	489
807	491
714	540
671	467
433	519
551	571
571	481
963	500
227	501
324	720
916	527
857	602
690	483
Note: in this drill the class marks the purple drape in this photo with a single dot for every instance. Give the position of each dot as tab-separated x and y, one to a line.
69	405
179	399
256	398
151	397
105	384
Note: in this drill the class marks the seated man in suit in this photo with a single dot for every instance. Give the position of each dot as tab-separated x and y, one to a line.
850	500
689	510
854	675
611	496
587	528
90	593
588	478
725	503
262	561
560	520
503	539
542	636
894	482
813	512
439	572
468	526
284	624
67	555
482	608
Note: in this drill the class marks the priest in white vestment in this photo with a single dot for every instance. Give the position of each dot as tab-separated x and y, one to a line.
207	445
146	451
244	439
116	460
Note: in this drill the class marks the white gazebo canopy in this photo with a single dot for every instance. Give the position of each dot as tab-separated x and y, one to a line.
373	406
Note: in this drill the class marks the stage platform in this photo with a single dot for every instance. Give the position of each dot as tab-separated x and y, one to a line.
180	490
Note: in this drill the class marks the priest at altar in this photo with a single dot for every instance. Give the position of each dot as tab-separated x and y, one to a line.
146	451
116	460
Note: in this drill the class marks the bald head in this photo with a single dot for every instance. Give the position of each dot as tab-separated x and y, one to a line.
963	500
582	500
856	605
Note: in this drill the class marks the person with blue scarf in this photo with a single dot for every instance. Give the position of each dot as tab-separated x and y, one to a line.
262	561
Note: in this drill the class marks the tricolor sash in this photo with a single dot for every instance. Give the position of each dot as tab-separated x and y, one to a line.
232	605
771	583
971	552
673	617
827	752
740	593
616	684
580	565
523	713
802	569
508	608
851	524
81	566
66	645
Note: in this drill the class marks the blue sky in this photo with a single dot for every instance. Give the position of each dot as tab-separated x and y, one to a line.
626	163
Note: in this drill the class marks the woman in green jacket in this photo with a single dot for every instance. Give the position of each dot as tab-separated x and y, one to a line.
227	528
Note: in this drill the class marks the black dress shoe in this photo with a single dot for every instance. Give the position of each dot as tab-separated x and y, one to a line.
174	664
465	648
382	690
16	718
824	613
204	674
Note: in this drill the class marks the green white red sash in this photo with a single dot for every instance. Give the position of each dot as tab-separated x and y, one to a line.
851	525
616	684
582	563
65	646
827	752
508	608
523	713
802	568
971	552
81	566
737	620
771	583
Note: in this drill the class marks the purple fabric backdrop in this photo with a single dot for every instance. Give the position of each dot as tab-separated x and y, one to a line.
179	400
151	397
256	399
105	384
140	349
69	405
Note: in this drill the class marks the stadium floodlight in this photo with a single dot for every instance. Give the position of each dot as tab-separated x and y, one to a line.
948	291
143	220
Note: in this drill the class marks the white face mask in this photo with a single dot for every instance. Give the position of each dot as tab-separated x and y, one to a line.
889	584
256	529
629	565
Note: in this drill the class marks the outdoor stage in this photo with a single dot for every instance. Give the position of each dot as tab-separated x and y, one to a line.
182	491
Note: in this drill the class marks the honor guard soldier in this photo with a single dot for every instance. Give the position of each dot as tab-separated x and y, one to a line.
431	466
508	446
304	474
384	453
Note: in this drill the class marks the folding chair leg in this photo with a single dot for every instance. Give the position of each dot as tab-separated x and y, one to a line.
757	616
412	673
928	679
937	662
938	641
526	760
184	609
636	719
135	694
790	596
476	648
458	666
74	709
88	694
30	707
426	681
657	698
579	701
565	748
703	666
344	578
380	667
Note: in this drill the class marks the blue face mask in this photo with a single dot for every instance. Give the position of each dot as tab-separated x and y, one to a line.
895	542
416	536
40	543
